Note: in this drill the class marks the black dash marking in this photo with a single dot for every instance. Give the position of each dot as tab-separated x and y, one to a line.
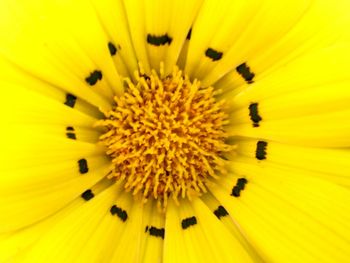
157	232
71	136
254	114
115	210
220	212
159	40
241	182
94	77
213	54
189	34
70	100
70	133
83	166
260	153
240	185
112	49
236	191
245	72
87	195
187	222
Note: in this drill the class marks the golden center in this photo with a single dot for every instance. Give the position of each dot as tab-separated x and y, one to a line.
165	137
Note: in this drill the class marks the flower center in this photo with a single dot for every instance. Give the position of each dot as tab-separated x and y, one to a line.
165	136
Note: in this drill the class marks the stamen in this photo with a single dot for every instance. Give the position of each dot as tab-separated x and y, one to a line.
166	137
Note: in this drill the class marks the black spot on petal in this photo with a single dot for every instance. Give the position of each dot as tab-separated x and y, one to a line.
94	77
156	232
159	40
260	153
187	222
112	49
245	72
83	166
220	212
70	133
122	214
213	54
70	100
71	136
240	185
189	34
87	195
236	191
254	114
241	182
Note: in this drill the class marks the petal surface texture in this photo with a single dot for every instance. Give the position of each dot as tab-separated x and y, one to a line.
282	69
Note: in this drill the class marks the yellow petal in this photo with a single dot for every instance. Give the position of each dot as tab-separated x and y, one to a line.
239	30
321	130
112	16
278	226
65	239
28	195
151	248
194	234
329	164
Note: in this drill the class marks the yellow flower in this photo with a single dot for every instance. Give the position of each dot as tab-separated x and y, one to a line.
174	131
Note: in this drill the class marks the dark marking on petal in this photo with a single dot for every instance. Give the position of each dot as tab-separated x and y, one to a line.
159	40
157	232
240	185
71	136
122	214
112	48
187	222
83	166
220	212
87	195
189	34
241	182
70	100
70	133
213	54
245	72
94	77
260	153
254	114
236	191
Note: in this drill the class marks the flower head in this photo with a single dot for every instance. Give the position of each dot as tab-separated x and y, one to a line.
174	131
